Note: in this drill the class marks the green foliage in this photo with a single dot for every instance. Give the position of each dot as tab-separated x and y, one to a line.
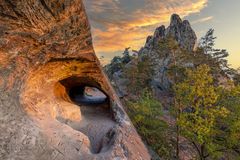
169	47
197	100
229	138
139	75
166	45
207	115
145	114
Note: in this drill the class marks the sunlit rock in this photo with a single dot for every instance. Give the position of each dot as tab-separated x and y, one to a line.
46	51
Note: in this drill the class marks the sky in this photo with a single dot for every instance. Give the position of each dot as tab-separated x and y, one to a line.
118	24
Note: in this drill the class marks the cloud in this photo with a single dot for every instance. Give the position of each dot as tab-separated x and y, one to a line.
117	24
205	19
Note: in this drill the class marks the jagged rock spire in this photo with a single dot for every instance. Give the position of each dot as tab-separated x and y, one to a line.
160	32
180	30
175	20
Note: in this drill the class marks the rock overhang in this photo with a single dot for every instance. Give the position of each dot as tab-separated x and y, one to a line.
42	43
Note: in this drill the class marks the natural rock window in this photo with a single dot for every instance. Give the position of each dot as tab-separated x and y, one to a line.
87	95
96	117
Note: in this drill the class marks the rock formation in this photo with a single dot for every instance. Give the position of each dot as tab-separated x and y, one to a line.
178	30
185	37
45	54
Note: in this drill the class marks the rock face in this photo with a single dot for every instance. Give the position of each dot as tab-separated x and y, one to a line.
45	52
185	37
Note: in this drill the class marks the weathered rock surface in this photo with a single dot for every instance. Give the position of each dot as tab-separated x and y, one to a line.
45	50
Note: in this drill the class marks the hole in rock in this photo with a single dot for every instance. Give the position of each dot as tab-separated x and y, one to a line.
87	95
96	116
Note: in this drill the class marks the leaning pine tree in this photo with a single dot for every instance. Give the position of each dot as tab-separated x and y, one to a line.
217	57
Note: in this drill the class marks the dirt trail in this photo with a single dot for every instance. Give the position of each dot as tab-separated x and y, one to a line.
96	122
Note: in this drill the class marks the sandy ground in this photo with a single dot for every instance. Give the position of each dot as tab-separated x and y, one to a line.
96	120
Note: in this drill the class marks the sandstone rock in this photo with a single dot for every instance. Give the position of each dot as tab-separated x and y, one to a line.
45	51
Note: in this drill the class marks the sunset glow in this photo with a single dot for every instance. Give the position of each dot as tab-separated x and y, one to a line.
117	24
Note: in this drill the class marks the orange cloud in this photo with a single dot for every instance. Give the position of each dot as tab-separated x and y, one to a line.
117	39
116	26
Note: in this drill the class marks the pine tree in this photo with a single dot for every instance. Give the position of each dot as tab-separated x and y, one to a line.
217	57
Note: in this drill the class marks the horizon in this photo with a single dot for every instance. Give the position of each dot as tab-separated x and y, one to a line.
119	24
